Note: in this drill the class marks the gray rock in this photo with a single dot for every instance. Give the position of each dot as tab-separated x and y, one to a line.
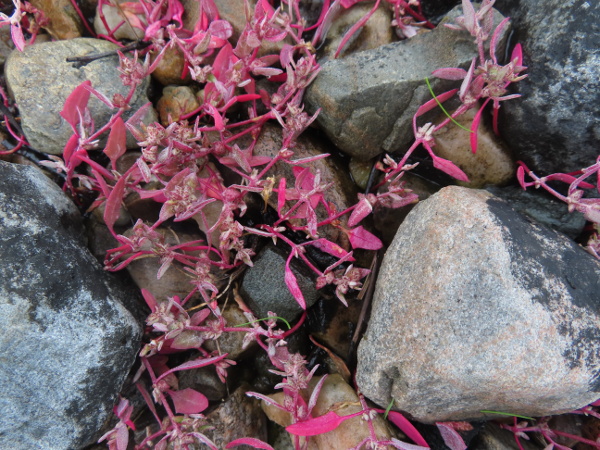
555	125
264	286
542	207
67	341
368	99
40	80
478	308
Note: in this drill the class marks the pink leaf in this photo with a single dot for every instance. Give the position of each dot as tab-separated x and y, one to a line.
189	401
281	195
70	149
451	437
464	86
406	446
358	25
450	168
361	238
113	204
194	364
330	247
521	177
76	102
450	73
256	443
407	428
432	103
362	210
474	127
517	54
150	300
117	142
292	284
16	33
496	36
319	425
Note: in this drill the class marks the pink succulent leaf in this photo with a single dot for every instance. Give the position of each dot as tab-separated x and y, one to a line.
517	54
590	208
521	177
70	149
450	73
451	437
497	34
253	442
134	121
406	446
319	425
354	29
469	16
200	317
100	96
292	284
361	238
450	168
188	401
266	399
474	127
16	33
308	159
315	394
75	104
464	87
150	300
281	195
116	144
407	428
431	104
194	364
363	209
330	247
220	29
113	204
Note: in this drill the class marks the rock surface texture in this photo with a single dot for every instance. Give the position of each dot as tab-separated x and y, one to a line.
67	341
478	308
368	99
555	125
40	80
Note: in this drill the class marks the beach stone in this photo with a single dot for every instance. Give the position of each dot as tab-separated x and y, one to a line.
68	342
555	125
368	99
479	308
40	80
64	22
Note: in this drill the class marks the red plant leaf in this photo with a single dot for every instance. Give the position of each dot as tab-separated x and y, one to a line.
330	247
361	238
189	401
428	106
450	73
117	142
407	428
150	300
281	196
69	151
450	168
194	364
113	204
451	437
517	54
292	284
75	102
319	425
521	177
362	210
474	126
256	443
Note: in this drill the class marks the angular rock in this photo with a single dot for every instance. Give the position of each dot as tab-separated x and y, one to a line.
40	80
542	207
555	125
479	308
67	342
264	288
368	99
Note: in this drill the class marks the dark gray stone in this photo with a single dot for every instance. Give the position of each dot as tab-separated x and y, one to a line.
40	80
67	341
368	99
479	308
555	125
264	286
542	207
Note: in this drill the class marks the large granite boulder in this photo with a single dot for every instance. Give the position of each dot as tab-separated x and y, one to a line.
67	341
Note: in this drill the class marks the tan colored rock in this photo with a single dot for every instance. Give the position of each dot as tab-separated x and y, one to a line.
492	164
64	22
175	102
170	68
113	16
376	32
336	395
